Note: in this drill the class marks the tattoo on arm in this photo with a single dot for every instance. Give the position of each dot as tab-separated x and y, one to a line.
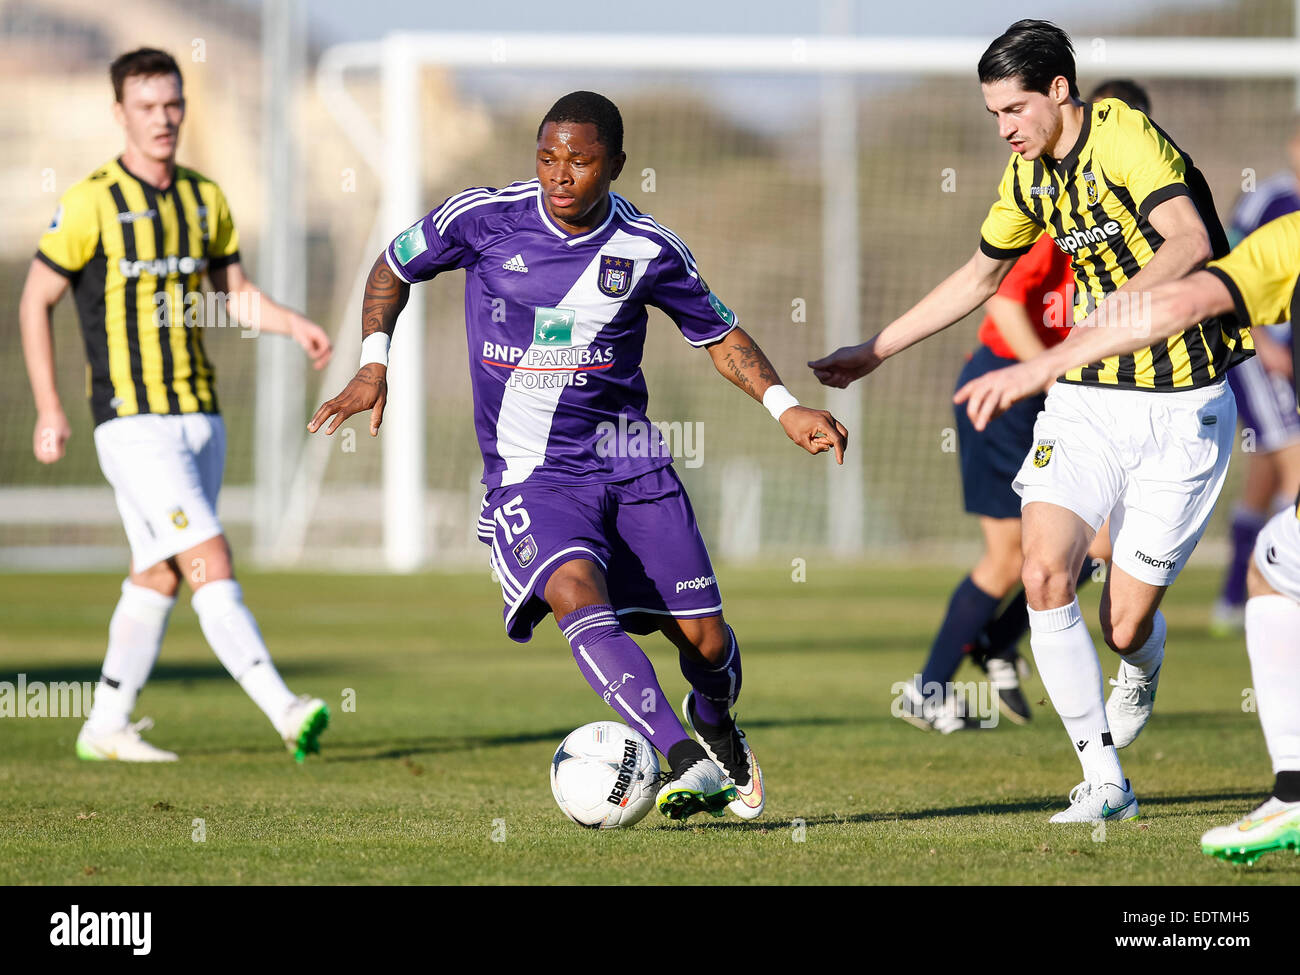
385	298
746	365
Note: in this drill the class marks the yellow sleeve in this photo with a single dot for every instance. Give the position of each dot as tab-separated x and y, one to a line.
1261	272
223	245
1008	231
72	237
1141	159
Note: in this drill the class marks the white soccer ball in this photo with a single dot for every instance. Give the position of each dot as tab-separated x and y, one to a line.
604	775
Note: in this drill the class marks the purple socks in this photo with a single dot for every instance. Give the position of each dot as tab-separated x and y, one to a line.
716	688
619	671
1246	526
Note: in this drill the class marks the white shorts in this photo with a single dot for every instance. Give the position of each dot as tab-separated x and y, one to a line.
1153	463
166	474
1277	553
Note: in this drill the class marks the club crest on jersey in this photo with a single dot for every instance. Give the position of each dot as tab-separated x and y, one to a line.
525	551
1043	452
57	220
615	276
179	519
1090	181
553	326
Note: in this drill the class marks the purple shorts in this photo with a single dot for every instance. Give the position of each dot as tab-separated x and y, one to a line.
642	532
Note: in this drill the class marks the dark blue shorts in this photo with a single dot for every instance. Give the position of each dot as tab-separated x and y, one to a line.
990	460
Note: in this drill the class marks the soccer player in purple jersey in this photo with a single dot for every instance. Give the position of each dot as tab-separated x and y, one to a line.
559	273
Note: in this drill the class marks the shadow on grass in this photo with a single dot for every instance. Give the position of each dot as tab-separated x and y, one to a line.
433	744
1050	804
161	673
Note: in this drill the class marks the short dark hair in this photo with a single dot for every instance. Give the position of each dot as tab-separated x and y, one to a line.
1126	90
589	108
1033	52
146	61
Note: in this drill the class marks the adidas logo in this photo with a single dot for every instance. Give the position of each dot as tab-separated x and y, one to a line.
516	263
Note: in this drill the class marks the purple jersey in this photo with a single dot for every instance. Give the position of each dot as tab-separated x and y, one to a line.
1275	197
556	327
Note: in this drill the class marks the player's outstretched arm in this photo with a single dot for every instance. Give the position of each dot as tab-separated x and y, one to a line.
953	299
1175	306
385	297
245	300
737	356
41	293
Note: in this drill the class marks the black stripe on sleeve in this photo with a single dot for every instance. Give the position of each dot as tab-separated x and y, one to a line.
1238	302
1295	346
1157	197
1002	253
163	314
55	266
216	263
130	299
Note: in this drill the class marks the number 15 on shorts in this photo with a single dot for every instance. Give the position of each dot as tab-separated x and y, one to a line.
512	509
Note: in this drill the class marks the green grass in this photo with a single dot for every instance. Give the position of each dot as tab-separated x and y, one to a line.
454	726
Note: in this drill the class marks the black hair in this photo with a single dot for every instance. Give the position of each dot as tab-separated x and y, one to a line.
587	107
1126	90
146	61
1034	52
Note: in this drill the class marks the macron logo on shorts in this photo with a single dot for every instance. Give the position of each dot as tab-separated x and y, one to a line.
1155	563
699	582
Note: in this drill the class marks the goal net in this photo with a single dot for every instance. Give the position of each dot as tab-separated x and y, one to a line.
823	185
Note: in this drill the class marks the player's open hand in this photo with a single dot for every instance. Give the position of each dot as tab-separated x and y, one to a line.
313	340
52	432
368	390
815	431
845	365
992	394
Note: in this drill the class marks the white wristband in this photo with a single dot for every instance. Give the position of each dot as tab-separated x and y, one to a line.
374	348
778	399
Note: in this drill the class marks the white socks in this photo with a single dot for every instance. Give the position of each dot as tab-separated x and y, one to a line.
233	635
1147	658
1067	664
134	637
1273	642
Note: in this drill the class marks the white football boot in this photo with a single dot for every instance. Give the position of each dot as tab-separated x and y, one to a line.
1273	826
1091	803
1130	704
302	724
929	715
699	787
730	750
123	745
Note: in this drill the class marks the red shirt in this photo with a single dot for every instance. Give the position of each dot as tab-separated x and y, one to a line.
1043	281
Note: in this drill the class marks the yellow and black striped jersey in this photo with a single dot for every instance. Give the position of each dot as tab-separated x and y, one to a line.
1095	204
1263	276
134	254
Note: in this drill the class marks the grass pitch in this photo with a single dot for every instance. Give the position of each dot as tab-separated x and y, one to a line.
439	774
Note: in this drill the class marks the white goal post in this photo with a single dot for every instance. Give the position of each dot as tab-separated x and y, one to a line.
399	57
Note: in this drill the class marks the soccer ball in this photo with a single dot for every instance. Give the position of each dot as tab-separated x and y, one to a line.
604	775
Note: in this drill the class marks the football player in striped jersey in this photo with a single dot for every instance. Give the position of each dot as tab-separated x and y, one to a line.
1123	201
132	241
1259	282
